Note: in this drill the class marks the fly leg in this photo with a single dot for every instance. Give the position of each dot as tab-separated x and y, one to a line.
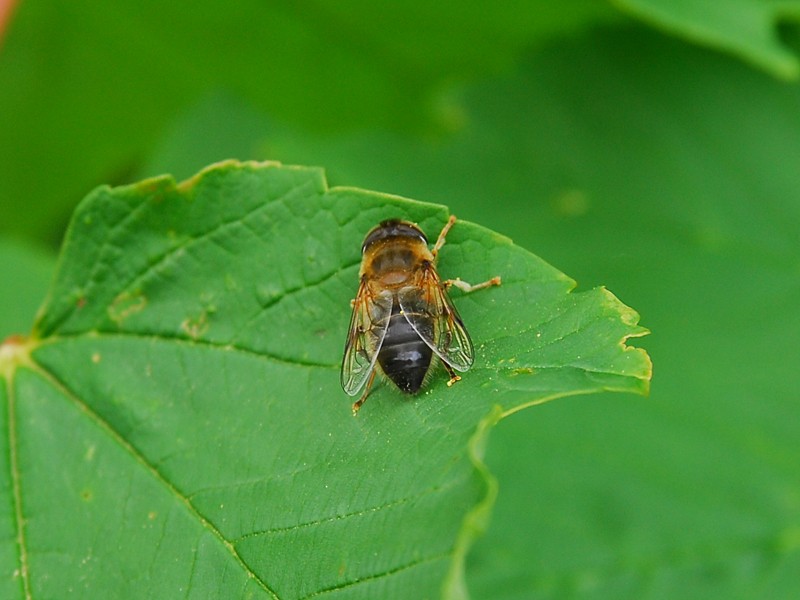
462	285
357	404
453	376
440	240
468	287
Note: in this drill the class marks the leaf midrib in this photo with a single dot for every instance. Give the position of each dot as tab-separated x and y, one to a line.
176	339
62	388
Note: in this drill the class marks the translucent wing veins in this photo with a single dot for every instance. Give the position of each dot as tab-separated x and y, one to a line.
368	326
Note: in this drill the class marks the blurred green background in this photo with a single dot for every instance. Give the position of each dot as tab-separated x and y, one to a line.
647	145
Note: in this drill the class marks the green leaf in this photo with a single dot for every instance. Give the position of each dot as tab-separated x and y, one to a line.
745	28
175	422
675	181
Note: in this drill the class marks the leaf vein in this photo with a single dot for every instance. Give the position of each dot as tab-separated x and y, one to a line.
357	513
160	260
154	472
17	487
101	261
177	339
373	577
286	294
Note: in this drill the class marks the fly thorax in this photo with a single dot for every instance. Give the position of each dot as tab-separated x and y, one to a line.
394	265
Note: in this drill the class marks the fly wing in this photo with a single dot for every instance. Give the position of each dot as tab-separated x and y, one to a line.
368	326
431	313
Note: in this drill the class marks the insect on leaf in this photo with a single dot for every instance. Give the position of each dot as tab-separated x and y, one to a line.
175	422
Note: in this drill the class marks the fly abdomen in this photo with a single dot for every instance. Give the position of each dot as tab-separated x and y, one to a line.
404	357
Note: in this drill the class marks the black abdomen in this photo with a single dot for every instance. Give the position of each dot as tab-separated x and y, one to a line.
404	357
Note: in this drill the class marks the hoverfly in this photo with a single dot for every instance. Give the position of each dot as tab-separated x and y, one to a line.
403	320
